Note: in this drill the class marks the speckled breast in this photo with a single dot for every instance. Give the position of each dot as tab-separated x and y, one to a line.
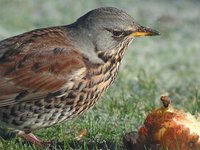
77	97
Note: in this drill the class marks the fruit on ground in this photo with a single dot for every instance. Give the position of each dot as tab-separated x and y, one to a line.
166	128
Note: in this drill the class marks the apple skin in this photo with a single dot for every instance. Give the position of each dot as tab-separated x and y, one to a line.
166	128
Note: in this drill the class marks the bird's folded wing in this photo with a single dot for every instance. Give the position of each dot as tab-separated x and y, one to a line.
32	74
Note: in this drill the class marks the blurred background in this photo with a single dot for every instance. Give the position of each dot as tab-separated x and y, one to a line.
169	63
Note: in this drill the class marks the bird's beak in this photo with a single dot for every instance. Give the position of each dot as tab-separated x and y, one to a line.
144	31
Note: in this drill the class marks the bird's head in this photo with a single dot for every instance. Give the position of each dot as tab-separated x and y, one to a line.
108	27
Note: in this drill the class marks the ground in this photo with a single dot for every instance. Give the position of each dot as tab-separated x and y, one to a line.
152	66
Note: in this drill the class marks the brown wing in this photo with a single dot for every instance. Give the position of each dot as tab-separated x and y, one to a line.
37	63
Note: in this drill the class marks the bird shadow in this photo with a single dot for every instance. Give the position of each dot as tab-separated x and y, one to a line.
64	145
76	144
79	144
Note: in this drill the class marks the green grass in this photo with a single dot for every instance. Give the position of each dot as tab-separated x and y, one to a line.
151	66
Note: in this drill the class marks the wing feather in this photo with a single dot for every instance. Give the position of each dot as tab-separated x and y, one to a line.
37	63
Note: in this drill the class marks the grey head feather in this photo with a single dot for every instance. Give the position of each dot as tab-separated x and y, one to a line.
93	31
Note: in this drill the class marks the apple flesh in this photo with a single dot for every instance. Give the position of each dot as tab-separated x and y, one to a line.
167	128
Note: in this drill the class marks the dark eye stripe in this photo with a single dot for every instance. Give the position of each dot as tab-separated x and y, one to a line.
127	32
118	33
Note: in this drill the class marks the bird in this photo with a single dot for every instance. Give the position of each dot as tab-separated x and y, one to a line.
53	74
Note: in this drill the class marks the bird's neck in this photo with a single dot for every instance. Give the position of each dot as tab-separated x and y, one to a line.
116	54
82	43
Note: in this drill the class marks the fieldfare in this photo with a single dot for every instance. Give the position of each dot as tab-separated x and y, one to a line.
49	75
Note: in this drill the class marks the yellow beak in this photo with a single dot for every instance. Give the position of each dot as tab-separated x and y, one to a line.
144	31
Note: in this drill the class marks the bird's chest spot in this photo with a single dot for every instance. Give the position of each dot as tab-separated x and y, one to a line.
103	77
110	71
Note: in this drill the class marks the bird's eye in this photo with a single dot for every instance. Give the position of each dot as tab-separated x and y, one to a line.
118	33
